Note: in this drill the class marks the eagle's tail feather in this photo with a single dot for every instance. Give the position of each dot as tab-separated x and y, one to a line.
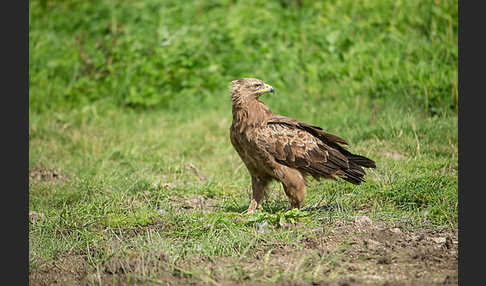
355	173
361	161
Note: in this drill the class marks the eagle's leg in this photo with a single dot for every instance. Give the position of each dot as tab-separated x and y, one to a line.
294	185
258	186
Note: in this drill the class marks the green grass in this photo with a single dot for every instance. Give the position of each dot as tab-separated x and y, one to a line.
125	166
168	53
127	111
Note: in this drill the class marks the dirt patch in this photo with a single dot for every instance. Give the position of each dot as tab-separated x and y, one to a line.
394	155
359	252
137	269
38	175
35	217
196	202
377	253
66	271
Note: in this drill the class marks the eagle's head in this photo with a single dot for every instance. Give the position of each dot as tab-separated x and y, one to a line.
247	89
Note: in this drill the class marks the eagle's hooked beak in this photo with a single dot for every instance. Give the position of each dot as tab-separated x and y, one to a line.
265	89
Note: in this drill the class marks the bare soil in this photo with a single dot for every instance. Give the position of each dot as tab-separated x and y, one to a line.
359	252
38	175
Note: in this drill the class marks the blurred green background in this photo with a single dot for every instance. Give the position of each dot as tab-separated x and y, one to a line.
181	55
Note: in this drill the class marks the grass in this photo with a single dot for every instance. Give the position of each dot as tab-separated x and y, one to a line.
130	100
124	167
167	54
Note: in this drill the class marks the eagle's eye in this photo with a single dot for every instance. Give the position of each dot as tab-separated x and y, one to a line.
257	85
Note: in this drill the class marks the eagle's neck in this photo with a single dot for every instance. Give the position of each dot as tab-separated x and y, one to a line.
251	114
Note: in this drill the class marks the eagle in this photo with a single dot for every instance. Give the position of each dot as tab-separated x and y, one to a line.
275	147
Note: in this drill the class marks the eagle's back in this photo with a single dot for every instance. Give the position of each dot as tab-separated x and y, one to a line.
298	149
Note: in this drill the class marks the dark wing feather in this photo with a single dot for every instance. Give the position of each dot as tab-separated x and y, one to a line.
301	150
312	150
327	138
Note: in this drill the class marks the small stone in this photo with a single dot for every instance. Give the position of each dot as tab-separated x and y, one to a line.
261	227
449	242
161	212
380	226
317	229
362	220
439	240
421	236
449	280
396	230
385	259
372	244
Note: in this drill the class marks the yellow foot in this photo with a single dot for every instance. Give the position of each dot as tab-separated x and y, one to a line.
251	209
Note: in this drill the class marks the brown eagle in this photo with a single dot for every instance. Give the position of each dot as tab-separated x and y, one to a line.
281	148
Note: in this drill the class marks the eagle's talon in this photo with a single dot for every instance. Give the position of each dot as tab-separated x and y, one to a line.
251	209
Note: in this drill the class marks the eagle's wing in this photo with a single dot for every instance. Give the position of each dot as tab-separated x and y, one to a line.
297	148
311	150
329	139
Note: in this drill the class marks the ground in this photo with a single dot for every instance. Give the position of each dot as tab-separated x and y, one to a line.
344	252
118	197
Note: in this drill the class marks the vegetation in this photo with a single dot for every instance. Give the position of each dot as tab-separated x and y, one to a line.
129	103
